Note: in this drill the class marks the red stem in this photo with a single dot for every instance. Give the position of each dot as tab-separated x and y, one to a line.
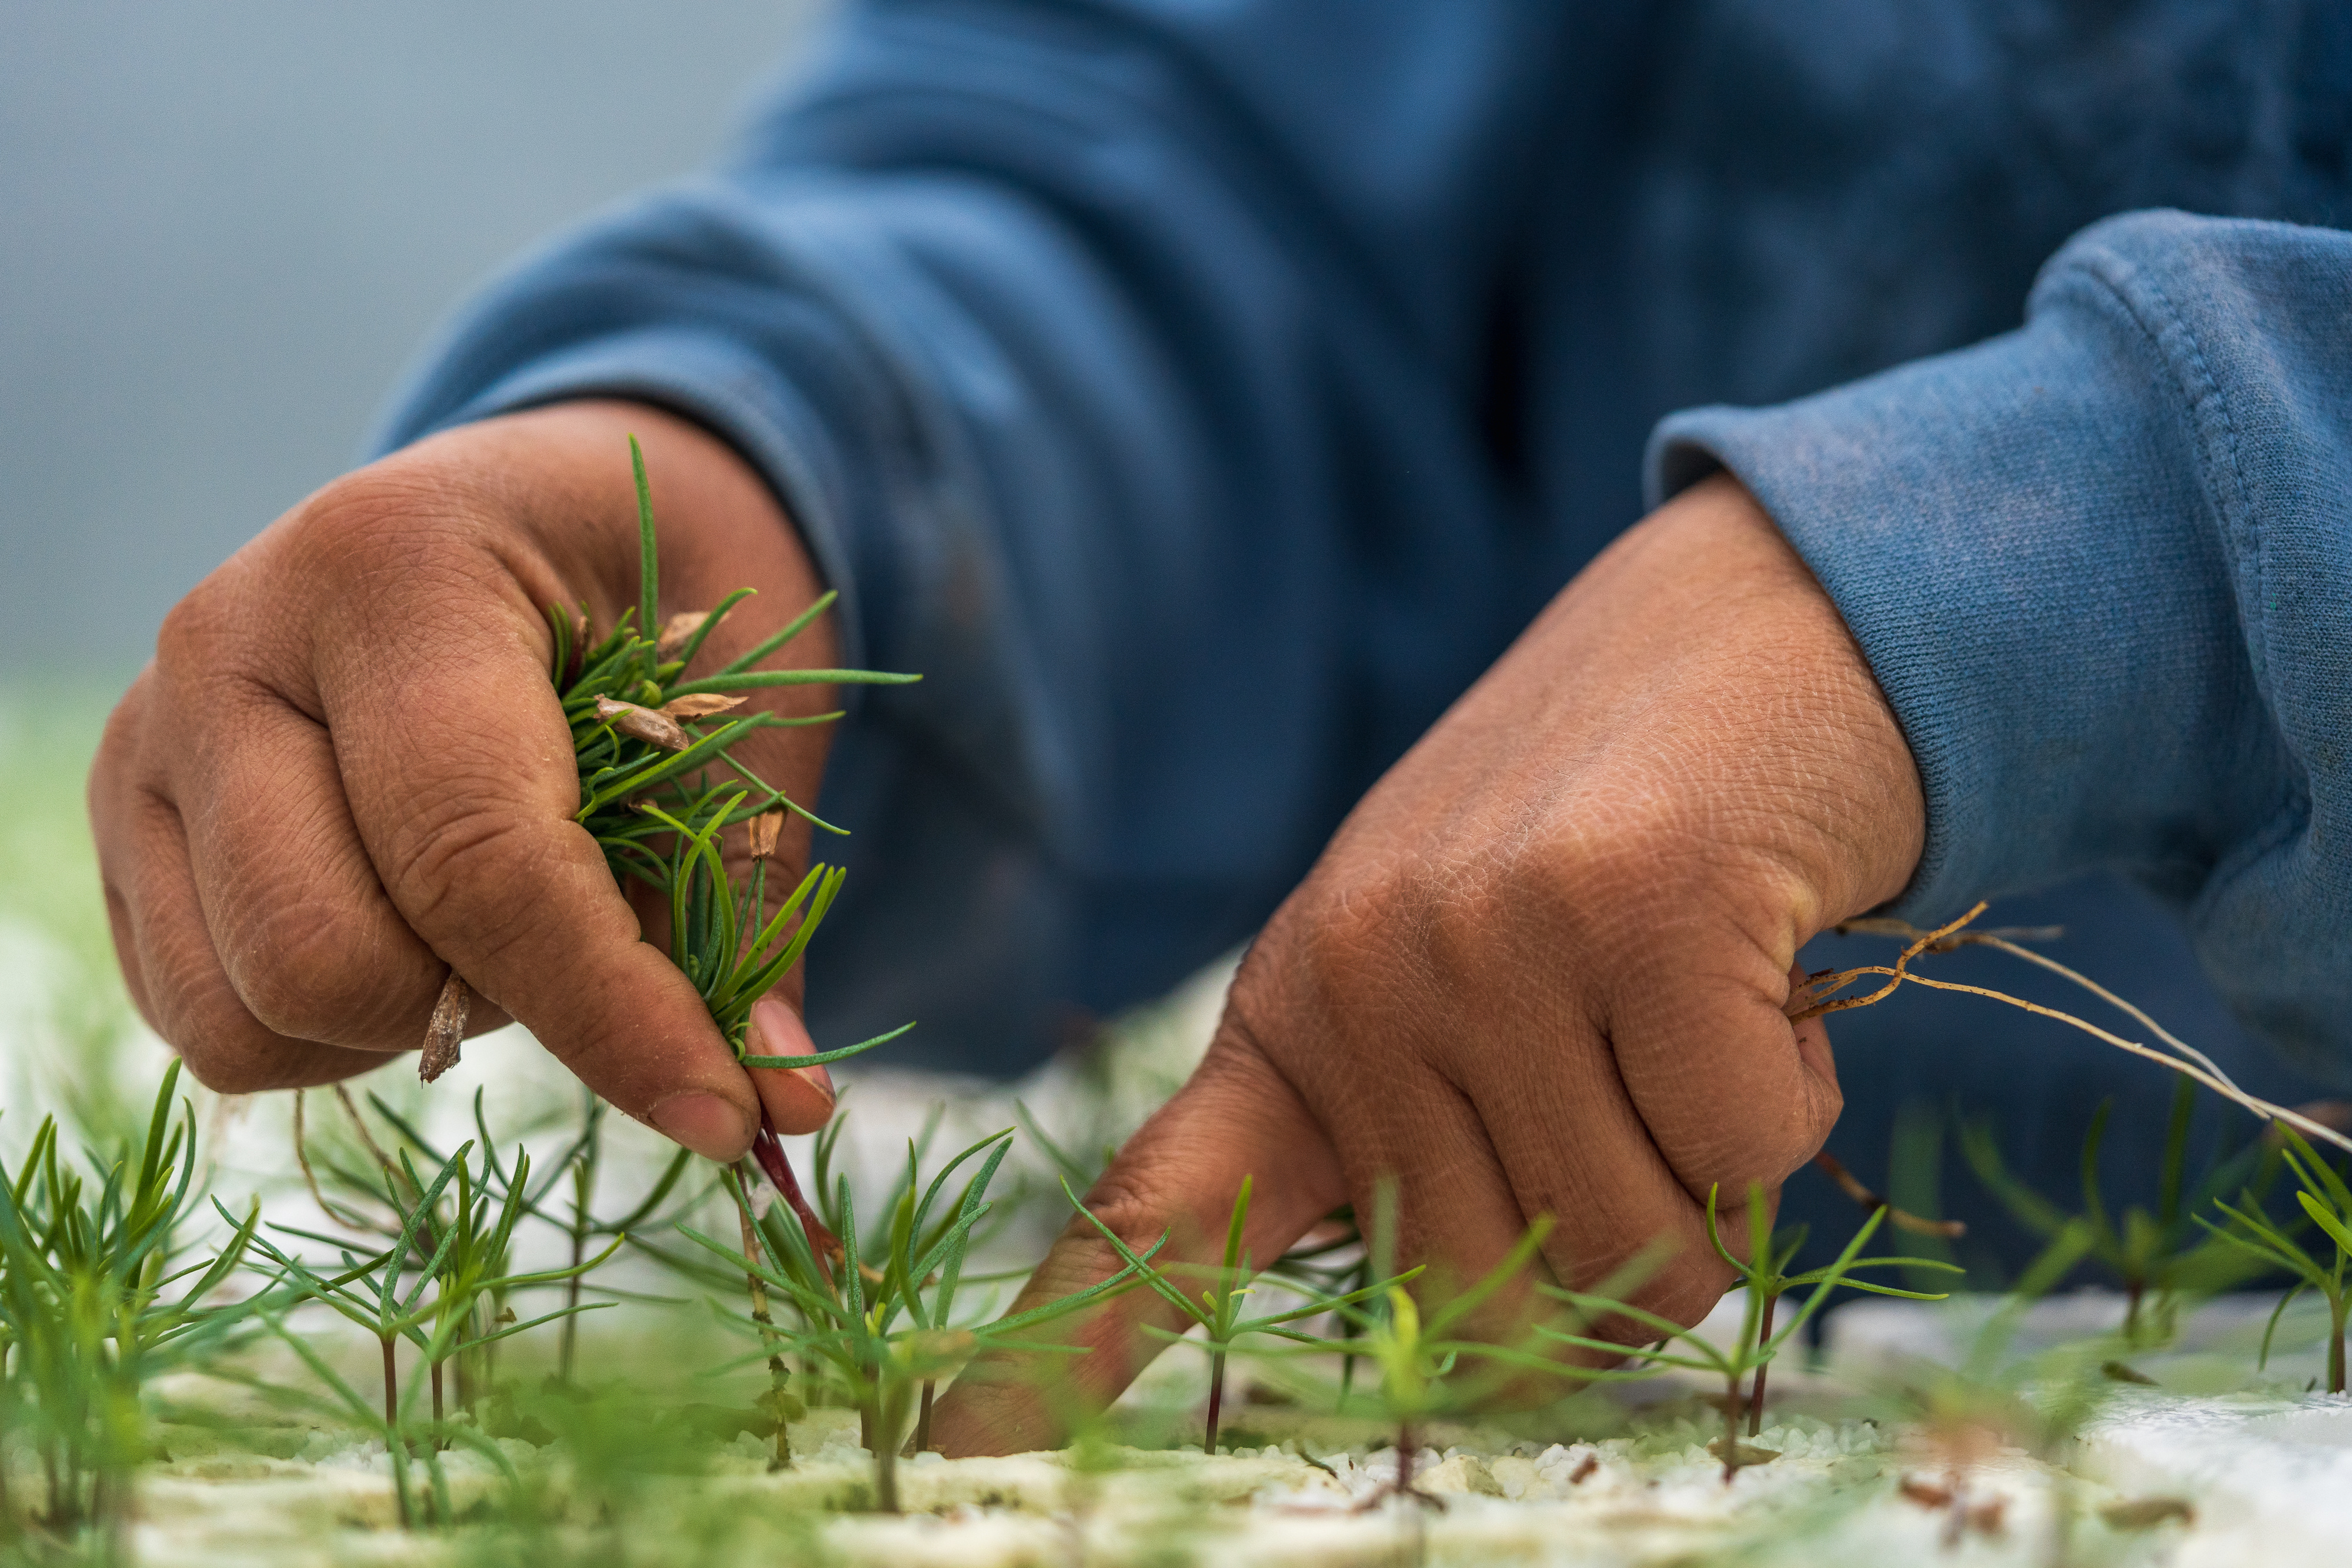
1756	1399
770	1154
390	1390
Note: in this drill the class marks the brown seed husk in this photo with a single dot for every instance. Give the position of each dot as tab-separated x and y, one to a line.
644	724
1927	1494
1744	1454
677	631
2147	1512
701	705
766	828
446	1033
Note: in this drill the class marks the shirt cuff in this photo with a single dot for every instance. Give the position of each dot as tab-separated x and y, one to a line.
2020	537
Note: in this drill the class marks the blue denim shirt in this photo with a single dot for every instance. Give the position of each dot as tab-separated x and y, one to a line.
1202	392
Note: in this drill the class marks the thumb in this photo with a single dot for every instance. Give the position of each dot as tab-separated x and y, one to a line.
1236	1117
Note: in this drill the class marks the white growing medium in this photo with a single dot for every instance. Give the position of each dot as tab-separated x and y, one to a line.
2270	1476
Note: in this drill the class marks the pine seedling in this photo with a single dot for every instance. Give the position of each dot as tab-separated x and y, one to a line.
578	1160
458	1257
368	1291
400	1438
2326	1202
641	730
469	1317
927	1248
884	1331
2156	1256
94	1305
1419	1355
1757	1342
646	738
1767	1278
1217	1309
582	1163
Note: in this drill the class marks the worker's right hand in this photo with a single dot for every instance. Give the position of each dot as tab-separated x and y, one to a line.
1542	967
346	772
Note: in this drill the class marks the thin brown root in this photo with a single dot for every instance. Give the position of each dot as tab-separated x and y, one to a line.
359	1125
1902	1219
351	1218
1806	1001
1810	1000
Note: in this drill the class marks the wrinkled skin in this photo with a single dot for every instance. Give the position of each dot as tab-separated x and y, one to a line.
344	773
1539	970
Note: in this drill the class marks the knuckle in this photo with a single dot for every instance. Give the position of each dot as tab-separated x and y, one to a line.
110	791
194	631
1750	1140
305	972
1358	923
454	848
228	1052
1132	1204
393	528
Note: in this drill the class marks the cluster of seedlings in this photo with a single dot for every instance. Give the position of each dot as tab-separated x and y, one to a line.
864	1300
868	1301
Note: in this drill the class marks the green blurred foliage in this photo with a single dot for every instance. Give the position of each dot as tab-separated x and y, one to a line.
66	1040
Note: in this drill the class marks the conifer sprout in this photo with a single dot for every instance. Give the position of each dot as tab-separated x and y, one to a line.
2325	1202
359	1196
1994	1400
898	1208
1419	1354
1757	1342
882	1332
96	1304
458	1256
1217	1309
582	1163
2149	1254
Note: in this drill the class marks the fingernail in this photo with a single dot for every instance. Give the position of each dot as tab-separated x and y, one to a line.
703	1122
782	1033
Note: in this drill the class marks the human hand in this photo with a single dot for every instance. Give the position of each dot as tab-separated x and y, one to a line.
1542	968
345	773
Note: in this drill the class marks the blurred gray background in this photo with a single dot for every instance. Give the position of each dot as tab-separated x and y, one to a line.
225	228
